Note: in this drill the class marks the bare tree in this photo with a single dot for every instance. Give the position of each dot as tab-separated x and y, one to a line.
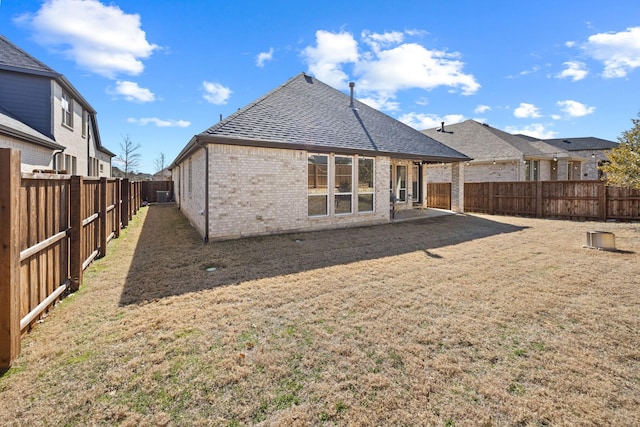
129	155
160	162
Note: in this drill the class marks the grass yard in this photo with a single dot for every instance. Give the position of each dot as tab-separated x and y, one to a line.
461	320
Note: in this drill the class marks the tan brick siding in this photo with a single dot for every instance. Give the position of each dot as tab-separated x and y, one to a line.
258	191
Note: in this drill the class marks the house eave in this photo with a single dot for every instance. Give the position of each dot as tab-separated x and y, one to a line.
208	139
30	138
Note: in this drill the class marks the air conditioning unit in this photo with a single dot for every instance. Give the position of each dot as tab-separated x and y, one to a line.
601	240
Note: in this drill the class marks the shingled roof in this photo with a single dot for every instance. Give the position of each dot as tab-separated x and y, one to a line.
585	143
483	142
15	59
305	113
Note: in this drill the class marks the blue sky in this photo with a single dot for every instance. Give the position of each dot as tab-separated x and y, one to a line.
161	71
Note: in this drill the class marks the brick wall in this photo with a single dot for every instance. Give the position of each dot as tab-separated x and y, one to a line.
31	156
192	199
258	191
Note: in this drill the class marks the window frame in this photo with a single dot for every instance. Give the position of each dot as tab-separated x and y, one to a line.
67	113
359	192
317	187
340	190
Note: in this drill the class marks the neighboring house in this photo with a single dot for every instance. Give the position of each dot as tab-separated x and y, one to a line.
591	148
499	156
305	156
45	117
163	175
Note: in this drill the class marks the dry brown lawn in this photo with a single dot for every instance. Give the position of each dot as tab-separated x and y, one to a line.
460	320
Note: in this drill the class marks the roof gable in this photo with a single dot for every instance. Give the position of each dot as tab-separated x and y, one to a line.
306	113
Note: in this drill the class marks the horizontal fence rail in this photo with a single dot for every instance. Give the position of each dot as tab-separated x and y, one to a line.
53	227
575	200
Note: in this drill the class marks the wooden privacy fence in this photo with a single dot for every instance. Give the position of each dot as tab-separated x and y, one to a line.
439	195
53	227
576	200
150	190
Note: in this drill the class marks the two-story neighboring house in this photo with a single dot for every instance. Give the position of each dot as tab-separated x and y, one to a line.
47	119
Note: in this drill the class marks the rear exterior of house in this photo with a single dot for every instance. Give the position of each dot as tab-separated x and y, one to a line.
303	157
47	119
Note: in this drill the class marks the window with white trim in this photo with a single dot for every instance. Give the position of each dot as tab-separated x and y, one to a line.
343	185
318	184
67	110
366	184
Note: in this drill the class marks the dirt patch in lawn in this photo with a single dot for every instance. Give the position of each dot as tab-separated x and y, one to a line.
455	320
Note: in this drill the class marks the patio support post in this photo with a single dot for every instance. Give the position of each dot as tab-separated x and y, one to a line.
457	187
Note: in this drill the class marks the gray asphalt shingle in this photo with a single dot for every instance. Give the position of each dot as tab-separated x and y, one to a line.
304	112
11	56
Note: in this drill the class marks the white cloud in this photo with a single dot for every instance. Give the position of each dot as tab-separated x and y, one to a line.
381	103
215	93
132	92
482	109
327	58
570	44
385	64
427	121
575	70
525	111
378	41
536	130
264	57
98	38
620	52
411	66
159	122
575	108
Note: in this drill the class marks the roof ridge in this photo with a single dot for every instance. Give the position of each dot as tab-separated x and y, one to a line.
226	121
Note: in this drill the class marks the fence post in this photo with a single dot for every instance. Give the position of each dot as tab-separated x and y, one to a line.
118	206
492	196
75	238
124	194
538	199
602	201
103	217
10	182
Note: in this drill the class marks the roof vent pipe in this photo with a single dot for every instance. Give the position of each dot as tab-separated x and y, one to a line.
351	86
442	128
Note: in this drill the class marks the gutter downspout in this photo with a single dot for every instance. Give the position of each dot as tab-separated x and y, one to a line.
206	193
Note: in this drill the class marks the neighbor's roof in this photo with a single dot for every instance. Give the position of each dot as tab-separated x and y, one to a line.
305	113
483	142
586	143
12	126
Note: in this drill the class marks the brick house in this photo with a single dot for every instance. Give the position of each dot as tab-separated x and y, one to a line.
590	148
305	156
499	156
46	118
